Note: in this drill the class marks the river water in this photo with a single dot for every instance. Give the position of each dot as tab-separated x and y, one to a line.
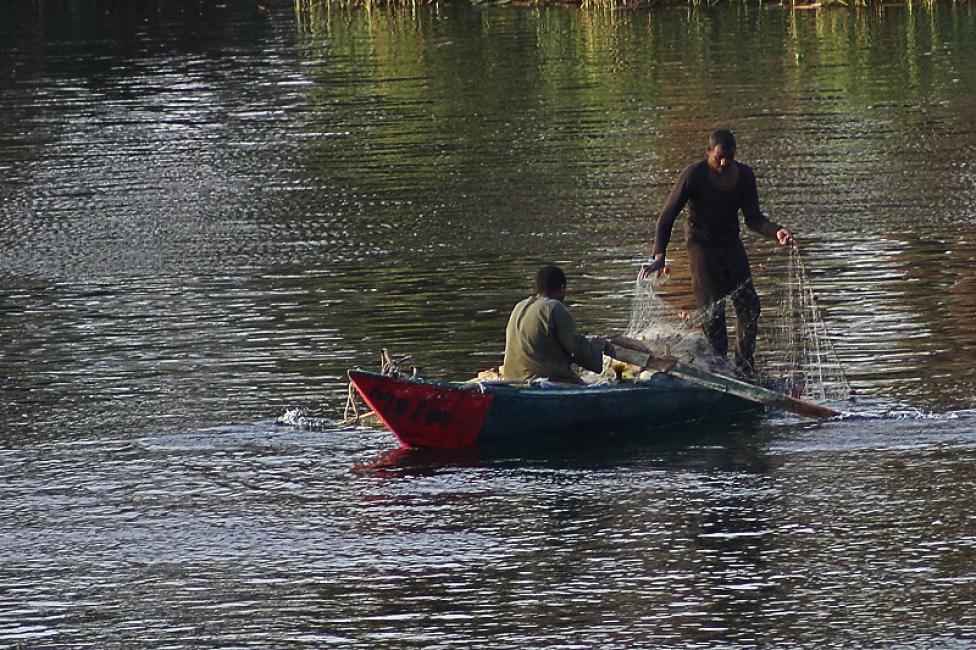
209	213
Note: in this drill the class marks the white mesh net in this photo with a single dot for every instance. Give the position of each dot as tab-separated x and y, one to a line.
668	331
796	343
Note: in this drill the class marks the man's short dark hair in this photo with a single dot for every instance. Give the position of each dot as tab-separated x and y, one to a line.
722	137
549	279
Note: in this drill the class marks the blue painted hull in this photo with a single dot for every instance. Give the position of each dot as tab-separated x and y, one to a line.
554	413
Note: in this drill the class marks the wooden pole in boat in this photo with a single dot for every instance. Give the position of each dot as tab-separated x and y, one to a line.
634	352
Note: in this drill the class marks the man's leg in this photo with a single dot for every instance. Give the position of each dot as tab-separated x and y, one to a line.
708	282
746	303
715	327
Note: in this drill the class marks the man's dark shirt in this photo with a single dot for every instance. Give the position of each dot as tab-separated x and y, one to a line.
713	214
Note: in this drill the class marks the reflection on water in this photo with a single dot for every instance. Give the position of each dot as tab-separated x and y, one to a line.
786	535
208	214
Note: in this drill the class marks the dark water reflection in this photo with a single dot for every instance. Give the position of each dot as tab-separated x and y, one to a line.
831	535
208	214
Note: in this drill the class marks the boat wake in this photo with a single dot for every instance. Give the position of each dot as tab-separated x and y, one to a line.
873	409
300	418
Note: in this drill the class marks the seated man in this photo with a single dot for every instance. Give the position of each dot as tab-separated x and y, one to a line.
541	340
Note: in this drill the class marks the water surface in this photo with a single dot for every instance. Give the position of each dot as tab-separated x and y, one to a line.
208	215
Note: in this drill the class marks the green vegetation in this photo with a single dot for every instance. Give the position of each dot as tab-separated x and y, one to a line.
309	7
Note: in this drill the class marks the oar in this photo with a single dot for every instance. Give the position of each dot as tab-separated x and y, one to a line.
634	352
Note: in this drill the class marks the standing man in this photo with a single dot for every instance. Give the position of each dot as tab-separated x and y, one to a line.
715	189
542	340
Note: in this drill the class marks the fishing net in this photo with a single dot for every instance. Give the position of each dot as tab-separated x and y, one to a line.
793	343
796	343
672	332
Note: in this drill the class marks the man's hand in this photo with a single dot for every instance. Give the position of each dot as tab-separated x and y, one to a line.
654	266
785	237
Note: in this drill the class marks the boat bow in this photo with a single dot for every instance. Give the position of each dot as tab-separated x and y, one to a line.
425	414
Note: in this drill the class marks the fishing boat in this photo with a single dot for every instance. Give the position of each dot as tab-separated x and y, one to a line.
667	390
433	414
442	415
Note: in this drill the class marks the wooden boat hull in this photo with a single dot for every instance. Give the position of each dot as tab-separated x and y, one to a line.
442	415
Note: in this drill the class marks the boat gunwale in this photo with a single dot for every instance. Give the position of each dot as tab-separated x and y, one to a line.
657	381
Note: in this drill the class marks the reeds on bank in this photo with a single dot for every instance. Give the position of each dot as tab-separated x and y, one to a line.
315	5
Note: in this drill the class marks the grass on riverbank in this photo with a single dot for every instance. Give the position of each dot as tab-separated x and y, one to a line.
305	5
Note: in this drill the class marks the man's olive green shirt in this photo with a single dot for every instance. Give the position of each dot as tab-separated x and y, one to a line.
542	341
